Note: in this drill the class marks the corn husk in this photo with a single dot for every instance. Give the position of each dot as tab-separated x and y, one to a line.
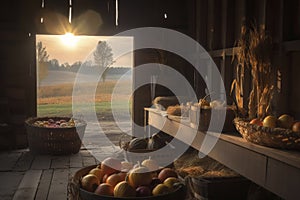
254	53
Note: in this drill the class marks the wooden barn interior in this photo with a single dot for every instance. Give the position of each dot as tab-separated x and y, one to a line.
222	28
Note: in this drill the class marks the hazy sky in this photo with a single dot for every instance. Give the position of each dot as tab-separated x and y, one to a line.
78	49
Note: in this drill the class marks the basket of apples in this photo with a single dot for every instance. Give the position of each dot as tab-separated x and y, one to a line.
119	180
278	132
54	135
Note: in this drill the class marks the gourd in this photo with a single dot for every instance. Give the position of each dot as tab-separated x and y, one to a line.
137	143
155	142
123	189
151	164
139	176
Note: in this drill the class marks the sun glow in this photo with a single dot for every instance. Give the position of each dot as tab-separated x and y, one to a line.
69	40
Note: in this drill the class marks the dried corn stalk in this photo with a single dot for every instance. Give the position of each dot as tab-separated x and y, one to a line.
242	62
254	53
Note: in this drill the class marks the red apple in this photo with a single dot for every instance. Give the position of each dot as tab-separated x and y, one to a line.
296	126
256	121
143	191
105	189
166	173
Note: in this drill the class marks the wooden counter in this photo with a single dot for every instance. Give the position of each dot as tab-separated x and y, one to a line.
276	170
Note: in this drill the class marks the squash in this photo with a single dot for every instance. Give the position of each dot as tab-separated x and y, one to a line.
126	165
139	176
123	189
137	143
151	164
155	143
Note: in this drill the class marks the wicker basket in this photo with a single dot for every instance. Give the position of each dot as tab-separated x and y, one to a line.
54	141
201	117
75	192
270	137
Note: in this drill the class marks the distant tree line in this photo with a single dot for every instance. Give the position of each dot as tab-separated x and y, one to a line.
54	65
103	59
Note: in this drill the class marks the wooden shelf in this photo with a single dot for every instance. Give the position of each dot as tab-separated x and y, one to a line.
293	45
224	52
274	169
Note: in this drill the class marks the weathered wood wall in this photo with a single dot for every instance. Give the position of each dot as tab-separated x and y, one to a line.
214	24
218	26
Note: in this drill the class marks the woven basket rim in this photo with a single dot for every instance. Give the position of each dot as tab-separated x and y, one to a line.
221	178
29	121
246	123
75	189
266	136
178	189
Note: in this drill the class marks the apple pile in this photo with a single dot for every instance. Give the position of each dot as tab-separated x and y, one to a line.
284	121
51	123
123	179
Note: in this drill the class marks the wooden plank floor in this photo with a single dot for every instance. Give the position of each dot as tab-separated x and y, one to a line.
27	177
45	177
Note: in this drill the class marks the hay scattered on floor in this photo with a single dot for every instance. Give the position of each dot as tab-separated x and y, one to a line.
189	164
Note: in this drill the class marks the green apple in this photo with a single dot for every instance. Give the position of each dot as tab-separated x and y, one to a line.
285	121
270	121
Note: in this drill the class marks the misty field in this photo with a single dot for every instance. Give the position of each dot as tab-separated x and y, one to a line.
56	99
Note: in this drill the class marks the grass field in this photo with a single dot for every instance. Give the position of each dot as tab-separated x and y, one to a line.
56	100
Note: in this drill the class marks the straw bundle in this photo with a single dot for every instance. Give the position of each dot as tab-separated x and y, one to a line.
254	53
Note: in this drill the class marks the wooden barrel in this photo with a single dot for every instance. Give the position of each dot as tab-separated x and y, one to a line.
218	188
77	193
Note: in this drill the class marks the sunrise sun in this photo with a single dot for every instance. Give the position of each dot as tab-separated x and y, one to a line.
69	40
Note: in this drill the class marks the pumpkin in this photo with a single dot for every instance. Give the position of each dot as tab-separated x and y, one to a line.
123	189
137	143
126	165
139	176
151	164
111	165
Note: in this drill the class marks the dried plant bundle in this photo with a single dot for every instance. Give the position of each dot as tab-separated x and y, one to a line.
254	53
